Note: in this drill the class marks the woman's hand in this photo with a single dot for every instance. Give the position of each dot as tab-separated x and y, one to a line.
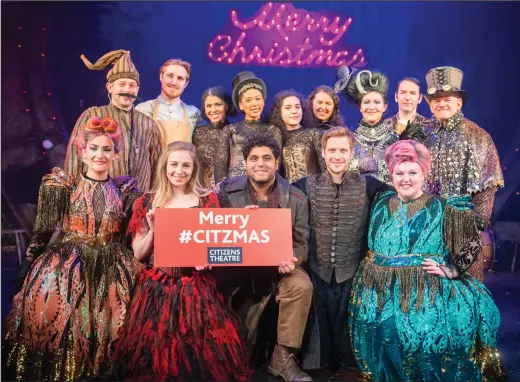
203	267
252	207
434	268
150	218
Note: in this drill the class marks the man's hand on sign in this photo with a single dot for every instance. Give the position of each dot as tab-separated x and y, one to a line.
252	207
203	267
150	218
287	267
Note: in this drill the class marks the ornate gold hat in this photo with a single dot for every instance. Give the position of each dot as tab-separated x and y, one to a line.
444	80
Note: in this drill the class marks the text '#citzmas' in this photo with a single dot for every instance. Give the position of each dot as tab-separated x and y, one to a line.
209	234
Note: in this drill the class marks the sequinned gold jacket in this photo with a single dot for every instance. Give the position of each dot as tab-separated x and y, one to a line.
464	161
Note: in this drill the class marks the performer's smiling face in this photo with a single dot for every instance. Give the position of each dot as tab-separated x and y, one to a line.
445	107
252	104
337	154
215	109
408	179
291	112
123	85
372	108
261	165
408	96
98	155
179	168
174	80
322	106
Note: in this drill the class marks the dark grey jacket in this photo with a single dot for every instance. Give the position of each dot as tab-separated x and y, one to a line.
339	219
233	194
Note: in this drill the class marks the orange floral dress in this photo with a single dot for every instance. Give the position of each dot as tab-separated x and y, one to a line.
75	290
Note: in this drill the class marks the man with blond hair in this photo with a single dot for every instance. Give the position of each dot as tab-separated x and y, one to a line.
175	118
339	204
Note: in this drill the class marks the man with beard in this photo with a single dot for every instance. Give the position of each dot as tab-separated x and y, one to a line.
176	119
407	123
140	144
263	187
339	211
463	155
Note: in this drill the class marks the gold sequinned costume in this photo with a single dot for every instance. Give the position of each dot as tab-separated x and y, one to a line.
464	161
75	291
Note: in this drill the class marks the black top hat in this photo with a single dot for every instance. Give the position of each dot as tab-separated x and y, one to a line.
243	79
444	81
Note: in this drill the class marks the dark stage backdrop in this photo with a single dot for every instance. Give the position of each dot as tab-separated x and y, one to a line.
399	38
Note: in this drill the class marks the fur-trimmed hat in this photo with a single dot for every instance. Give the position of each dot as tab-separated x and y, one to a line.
120	59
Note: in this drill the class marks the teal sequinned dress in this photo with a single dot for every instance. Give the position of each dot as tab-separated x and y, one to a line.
408	325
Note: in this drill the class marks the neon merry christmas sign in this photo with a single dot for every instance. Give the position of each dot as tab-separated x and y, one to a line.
281	35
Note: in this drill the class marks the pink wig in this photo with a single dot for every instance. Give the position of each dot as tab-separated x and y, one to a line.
96	127
408	151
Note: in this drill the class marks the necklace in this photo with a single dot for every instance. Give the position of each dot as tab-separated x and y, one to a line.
373	134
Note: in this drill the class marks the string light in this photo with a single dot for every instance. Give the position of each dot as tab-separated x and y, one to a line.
47	144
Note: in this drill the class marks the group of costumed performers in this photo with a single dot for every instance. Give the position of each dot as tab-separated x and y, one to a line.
387	268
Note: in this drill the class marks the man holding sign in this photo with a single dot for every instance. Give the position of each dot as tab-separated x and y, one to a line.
262	187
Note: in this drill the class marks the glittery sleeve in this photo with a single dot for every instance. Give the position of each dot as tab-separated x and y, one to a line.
489	171
276	133
129	194
222	154
316	143
484	202
205	139
196	139
53	202
461	234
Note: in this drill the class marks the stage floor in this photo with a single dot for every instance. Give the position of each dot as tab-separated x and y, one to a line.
504	286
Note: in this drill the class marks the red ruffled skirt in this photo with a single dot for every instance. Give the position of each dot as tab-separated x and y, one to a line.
179	328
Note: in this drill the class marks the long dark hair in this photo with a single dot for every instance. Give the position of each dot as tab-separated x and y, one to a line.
275	114
220	92
335	119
